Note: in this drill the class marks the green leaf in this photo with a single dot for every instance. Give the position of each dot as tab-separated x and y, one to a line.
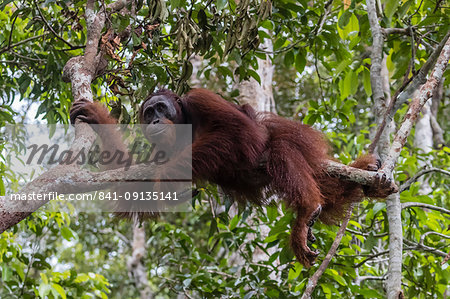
341	66
272	212
366	82
271	238
404	9
44	278
6	272
221	4
286	255
346	85
390	8
300	61
289	59
59	290
44	289
234	222
378	207
340	280
354	223
202	19
351	26
279	43
344	19
313	104
24	82
312	119
225	71
2	188
295	271
353	83
255	75
67	233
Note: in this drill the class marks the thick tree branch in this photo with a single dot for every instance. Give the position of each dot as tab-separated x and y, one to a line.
393	202
363	177
379	81
381	141
387	31
67	179
51	180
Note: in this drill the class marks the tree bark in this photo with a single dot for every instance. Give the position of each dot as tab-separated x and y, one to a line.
423	141
136	268
260	96
379	78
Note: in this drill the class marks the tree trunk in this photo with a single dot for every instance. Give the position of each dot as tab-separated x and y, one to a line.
136	268
423	140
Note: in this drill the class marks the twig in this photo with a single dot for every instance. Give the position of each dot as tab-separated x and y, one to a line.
360	279
409	182
422	238
6	49
11	32
425	206
27	58
371	257
327	8
413	50
366	234
416	246
50	27
212	208
417	10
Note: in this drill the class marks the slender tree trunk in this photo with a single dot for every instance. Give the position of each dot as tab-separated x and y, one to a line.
136	268
379	77
423	140
260	96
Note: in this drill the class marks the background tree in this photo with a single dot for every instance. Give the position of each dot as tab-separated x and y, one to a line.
341	66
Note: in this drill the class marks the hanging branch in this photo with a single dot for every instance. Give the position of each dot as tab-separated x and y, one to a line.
316	276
